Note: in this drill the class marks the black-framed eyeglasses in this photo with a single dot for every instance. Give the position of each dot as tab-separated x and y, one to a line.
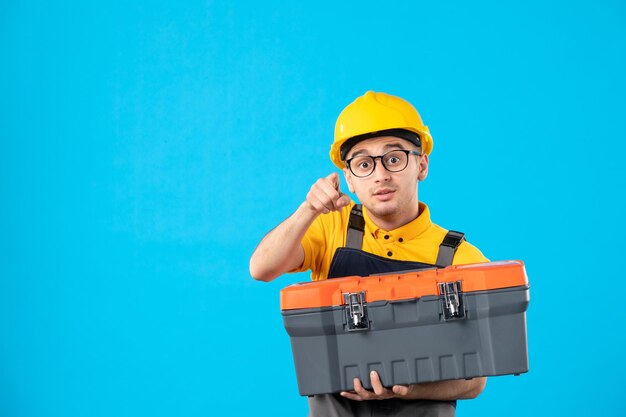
393	161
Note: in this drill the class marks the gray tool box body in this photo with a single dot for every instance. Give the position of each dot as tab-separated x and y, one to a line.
409	341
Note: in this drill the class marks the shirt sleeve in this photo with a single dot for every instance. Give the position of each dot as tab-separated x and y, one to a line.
468	254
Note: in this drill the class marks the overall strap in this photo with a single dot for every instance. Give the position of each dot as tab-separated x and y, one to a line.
448	248
356	226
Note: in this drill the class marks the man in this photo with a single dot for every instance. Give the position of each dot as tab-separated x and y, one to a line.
382	147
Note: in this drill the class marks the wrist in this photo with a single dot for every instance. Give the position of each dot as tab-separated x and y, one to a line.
308	210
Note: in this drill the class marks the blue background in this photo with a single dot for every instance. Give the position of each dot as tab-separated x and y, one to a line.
146	148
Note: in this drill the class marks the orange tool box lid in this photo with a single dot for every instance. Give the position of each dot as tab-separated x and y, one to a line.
404	286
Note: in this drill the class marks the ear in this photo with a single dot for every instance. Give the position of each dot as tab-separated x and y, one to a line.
423	168
348	176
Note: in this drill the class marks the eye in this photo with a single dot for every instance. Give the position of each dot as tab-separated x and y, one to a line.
364	164
394	158
361	165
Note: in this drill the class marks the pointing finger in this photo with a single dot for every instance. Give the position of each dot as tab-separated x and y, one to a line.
333	179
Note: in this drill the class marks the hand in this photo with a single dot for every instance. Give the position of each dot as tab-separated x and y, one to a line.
379	393
325	195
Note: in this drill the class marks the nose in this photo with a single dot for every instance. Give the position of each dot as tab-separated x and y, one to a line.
380	172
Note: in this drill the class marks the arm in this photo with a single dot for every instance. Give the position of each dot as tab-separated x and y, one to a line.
442	390
459	389
281	250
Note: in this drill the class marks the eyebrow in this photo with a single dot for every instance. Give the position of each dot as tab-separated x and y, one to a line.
395	145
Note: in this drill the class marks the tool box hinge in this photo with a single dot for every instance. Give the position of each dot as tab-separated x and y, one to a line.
452	300
356	311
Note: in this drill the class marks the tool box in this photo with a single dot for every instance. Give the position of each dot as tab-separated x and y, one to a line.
457	322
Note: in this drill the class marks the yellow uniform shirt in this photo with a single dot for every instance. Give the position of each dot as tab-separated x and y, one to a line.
416	241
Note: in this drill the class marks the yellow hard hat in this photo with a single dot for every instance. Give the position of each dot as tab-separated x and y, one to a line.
377	112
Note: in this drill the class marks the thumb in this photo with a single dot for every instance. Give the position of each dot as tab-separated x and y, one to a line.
343	201
400	390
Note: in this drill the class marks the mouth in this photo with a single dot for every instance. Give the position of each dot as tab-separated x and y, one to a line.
384	194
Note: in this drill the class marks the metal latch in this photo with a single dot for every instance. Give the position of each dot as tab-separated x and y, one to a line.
356	311
452	300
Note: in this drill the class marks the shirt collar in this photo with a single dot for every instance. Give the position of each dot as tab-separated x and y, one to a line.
407	232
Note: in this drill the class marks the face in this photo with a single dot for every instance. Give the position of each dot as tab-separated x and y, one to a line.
389	197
